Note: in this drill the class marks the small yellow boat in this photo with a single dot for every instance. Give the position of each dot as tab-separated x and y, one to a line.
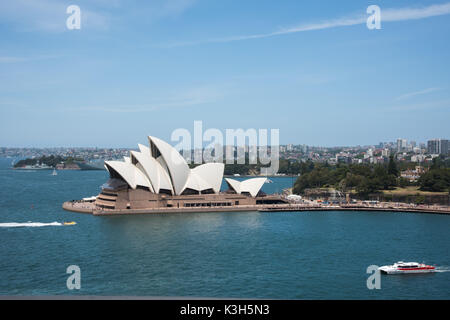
70	223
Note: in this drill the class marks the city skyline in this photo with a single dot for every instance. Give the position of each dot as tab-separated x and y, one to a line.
315	71
392	142
400	147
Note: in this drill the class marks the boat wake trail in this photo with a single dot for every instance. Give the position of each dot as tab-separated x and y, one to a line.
442	269
28	224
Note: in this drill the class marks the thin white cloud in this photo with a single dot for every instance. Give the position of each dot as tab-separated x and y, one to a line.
387	15
421	106
192	97
415	13
416	93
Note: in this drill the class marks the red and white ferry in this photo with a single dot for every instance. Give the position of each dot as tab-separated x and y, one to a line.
407	267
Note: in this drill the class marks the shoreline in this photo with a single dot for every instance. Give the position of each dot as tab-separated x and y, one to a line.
360	208
90	208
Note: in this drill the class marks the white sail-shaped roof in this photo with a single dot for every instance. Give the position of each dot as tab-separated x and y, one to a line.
176	165
140	161
140	179
163	178
161	166
234	184
251	186
130	173
123	169
196	182
144	150
211	173
155	173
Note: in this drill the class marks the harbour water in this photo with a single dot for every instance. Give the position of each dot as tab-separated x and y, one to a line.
307	255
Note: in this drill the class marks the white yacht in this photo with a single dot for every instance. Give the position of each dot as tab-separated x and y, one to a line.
406	267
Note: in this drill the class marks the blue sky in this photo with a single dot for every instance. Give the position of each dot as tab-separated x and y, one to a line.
309	68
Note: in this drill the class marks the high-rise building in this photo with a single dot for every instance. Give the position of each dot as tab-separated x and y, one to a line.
433	146
438	146
401	144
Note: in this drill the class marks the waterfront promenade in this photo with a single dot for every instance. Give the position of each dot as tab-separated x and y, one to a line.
386	206
89	207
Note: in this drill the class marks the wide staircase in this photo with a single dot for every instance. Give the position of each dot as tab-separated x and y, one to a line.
106	200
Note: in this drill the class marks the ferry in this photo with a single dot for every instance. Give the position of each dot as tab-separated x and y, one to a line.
406	267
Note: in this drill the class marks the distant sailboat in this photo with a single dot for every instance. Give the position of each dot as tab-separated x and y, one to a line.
54	173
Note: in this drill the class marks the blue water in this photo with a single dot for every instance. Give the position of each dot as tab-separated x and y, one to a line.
308	255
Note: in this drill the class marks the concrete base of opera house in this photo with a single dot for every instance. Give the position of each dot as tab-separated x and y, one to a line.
135	201
92	209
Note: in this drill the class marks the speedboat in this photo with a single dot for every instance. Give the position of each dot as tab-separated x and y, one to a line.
70	223
406	267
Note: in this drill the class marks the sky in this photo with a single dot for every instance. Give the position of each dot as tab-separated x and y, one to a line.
312	69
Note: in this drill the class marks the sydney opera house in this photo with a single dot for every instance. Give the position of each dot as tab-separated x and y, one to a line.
158	179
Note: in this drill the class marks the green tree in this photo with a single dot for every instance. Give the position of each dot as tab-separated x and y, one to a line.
436	180
392	166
